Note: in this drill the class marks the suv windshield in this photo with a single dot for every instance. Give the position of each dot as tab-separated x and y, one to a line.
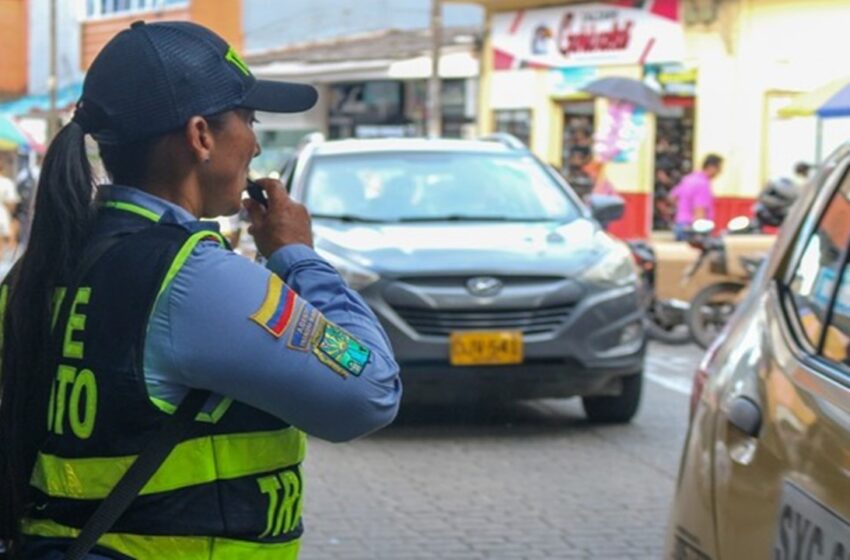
435	186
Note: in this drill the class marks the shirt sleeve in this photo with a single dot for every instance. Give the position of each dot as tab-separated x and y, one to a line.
292	340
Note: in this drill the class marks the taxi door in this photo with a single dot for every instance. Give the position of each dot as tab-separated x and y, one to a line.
782	445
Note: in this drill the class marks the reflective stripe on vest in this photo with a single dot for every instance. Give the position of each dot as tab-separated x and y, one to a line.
144	547
195	461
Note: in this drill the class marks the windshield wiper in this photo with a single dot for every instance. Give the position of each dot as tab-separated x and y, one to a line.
348	218
470	218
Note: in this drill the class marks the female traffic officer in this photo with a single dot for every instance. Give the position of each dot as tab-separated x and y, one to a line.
125	300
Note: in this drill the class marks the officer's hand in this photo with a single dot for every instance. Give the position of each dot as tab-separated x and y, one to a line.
284	222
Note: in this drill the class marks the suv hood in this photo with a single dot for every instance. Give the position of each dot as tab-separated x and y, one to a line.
545	248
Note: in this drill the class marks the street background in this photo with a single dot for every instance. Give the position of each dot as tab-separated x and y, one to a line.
529	480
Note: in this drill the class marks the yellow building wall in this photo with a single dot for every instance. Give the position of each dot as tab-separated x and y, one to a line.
753	49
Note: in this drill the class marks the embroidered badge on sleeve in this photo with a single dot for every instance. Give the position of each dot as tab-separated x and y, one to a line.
277	307
307	322
340	351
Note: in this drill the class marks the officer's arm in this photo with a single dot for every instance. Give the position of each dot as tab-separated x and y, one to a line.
320	362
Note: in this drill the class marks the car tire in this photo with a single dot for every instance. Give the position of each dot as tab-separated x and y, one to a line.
619	409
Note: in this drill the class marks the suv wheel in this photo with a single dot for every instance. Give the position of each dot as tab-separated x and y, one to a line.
619	409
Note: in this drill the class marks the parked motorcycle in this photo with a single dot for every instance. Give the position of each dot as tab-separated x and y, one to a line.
733	259
665	320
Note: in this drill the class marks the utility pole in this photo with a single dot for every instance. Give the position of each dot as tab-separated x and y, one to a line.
52	117
435	112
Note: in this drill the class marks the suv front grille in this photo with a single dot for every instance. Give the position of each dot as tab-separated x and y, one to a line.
442	322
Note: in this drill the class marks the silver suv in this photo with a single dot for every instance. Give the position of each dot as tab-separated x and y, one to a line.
492	279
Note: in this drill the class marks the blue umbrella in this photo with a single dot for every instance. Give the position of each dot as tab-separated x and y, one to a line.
828	101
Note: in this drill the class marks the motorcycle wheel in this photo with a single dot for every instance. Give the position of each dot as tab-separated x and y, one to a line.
664	328
672	334
710	311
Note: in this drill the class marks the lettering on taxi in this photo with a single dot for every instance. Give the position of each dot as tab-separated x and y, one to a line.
283	490
808	530
73	395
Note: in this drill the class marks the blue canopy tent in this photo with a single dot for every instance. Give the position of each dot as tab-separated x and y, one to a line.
826	102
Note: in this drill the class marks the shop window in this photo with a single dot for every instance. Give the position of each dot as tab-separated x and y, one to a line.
674	148
674	134
815	279
367	109
454	101
578	146
516	122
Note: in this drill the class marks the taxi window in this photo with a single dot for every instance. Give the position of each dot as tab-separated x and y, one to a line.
817	273
836	346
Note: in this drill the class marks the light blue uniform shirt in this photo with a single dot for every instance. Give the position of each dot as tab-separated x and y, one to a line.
201	335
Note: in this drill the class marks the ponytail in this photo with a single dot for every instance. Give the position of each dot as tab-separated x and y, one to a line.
63	217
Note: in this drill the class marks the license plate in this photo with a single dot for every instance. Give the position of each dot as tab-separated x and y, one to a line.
805	524
485	348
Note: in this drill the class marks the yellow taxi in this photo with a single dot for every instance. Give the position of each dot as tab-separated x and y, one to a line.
765	470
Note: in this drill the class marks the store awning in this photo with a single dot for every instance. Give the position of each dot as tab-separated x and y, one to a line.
830	100
452	65
65	97
838	105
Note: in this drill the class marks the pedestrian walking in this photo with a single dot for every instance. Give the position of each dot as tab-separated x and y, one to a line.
130	322
693	196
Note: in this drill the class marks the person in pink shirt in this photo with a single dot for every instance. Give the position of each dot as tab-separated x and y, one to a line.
693	197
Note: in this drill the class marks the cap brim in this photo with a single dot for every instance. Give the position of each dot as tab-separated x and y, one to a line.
280	97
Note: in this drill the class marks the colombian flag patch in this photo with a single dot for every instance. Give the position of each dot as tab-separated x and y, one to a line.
277	307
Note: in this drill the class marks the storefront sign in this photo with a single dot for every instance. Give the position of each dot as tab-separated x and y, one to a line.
588	34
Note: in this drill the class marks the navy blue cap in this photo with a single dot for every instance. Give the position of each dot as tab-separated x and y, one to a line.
152	78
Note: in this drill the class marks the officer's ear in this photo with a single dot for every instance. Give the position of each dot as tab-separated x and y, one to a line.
199	138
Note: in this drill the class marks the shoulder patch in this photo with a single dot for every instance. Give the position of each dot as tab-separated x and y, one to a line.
340	351
308	321
277	307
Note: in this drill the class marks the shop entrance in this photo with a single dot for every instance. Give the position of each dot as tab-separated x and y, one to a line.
674	148
578	145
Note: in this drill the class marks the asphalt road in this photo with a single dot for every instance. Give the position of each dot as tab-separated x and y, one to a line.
531	480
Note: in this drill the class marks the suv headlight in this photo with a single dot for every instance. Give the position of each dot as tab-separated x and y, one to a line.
357	277
616	267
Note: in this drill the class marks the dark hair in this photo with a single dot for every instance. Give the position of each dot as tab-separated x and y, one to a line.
63	217
712	160
802	168
64	214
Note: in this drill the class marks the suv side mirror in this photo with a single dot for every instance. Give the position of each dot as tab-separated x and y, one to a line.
606	208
